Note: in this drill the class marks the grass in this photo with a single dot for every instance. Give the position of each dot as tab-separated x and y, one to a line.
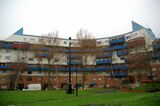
100	97
149	87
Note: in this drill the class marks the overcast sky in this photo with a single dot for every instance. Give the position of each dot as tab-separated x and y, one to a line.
101	17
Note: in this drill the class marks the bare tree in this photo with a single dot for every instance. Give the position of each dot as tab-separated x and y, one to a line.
139	56
52	53
87	46
39	55
20	61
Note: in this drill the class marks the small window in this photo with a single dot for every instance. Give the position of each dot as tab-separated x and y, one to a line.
8	51
94	79
8	57
32	39
56	60
3	78
99	78
65	42
106	41
30	59
65	79
39	78
99	42
29	72
29	78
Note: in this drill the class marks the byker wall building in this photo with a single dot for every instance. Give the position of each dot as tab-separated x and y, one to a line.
132	58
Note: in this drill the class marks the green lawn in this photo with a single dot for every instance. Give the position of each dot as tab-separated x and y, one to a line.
101	97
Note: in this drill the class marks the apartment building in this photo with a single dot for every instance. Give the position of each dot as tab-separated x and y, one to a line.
130	58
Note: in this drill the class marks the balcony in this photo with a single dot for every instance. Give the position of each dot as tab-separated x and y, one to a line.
5	67
105	61
120	67
72	51
117	41
42	55
8	45
119	74
20	46
74	56
44	49
156	55
37	68
122	53
119	47
157	46
102	68
74	62
104	55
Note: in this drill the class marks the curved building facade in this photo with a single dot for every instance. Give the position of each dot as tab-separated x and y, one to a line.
118	60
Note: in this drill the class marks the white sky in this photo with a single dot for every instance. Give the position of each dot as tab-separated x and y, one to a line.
101	17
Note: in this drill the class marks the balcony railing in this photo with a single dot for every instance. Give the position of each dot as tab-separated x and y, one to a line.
120	67
119	74
104	55
156	55
122	53
74	62
102	68
156	46
74	56
119	47
5	67
105	61
117	41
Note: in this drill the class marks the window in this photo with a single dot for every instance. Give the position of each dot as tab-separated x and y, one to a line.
80	79
23	58
8	51
8	57
39	78
65	42
29	72
56	60
106	41
30	59
32	39
98	42
3	79
24	39
29	78
94	79
54	79
65	79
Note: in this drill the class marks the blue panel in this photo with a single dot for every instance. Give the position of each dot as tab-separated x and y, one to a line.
4	67
117	41
120	67
136	26
105	61
157	46
119	47
74	62
119	74
102	68
122	53
19	32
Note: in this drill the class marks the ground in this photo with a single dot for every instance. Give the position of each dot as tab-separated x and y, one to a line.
91	97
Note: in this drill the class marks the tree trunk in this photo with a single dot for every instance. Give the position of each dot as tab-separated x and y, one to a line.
17	77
